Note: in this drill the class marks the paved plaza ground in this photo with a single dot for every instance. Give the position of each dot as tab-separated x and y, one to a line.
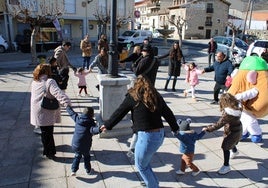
23	166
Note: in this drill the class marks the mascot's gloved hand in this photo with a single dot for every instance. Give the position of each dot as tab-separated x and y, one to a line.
246	95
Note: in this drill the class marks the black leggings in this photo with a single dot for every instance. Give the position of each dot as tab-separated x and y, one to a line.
226	155
47	138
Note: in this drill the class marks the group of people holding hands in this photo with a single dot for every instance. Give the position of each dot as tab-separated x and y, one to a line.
145	103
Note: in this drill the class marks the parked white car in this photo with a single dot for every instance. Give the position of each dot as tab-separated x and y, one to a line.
257	47
3	44
134	37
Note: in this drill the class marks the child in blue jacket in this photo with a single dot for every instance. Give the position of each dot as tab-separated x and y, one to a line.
187	139
85	127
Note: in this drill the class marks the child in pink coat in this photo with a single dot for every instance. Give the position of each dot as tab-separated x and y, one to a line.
192	78
82	84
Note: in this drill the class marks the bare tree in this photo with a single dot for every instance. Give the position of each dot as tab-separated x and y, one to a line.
235	30
179	22
27	12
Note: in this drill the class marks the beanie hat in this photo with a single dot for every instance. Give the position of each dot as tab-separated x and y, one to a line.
184	124
88	111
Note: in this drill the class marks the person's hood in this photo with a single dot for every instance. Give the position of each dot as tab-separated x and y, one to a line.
232	112
85	121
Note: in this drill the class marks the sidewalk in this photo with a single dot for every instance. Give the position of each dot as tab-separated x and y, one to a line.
22	164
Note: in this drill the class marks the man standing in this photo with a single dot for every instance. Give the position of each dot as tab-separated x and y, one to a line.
103	43
212	48
85	46
60	53
223	69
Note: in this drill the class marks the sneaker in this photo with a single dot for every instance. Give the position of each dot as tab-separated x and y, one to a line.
233	154
130	154
194	99
185	93
73	174
195	173
88	172
37	130
179	172
224	170
214	102
173	89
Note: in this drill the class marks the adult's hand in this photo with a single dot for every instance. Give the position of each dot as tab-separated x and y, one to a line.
103	128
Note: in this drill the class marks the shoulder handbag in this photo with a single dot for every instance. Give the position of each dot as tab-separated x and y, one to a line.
47	103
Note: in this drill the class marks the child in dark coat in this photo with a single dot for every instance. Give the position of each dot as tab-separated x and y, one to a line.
85	127
230	120
187	139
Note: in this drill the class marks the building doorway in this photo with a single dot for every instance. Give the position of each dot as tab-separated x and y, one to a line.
208	33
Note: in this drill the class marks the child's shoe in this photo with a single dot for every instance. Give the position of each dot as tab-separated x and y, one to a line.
224	170
196	173
194	99
233	154
179	172
88	172
73	174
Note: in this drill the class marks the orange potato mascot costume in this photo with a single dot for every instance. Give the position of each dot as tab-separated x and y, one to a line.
250	86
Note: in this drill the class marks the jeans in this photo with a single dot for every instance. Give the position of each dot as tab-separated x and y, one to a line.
76	161
211	54
86	62
217	89
146	146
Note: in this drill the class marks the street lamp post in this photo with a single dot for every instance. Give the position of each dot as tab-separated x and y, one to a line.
113	54
85	4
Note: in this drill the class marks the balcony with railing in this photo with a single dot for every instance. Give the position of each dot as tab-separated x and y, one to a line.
210	10
208	23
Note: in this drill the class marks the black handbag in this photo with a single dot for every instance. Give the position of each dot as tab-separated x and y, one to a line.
49	104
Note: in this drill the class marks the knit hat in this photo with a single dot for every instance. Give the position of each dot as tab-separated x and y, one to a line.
88	111
184	124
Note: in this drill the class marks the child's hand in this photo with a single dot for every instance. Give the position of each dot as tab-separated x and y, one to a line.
204	129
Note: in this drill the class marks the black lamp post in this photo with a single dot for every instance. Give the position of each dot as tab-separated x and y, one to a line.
113	54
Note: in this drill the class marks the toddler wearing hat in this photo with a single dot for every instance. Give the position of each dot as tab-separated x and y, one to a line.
85	127
187	139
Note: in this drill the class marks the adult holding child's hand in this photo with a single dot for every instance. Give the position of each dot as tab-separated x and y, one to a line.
147	107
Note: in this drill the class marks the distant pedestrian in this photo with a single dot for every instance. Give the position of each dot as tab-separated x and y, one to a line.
187	139
176	58
123	55
147	107
60	53
223	69
230	120
85	46
43	85
212	49
85	127
82	84
103	43
191	78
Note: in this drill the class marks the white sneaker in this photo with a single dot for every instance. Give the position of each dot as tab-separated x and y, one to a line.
37	130
73	174
233	154
224	170
195	173
179	172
